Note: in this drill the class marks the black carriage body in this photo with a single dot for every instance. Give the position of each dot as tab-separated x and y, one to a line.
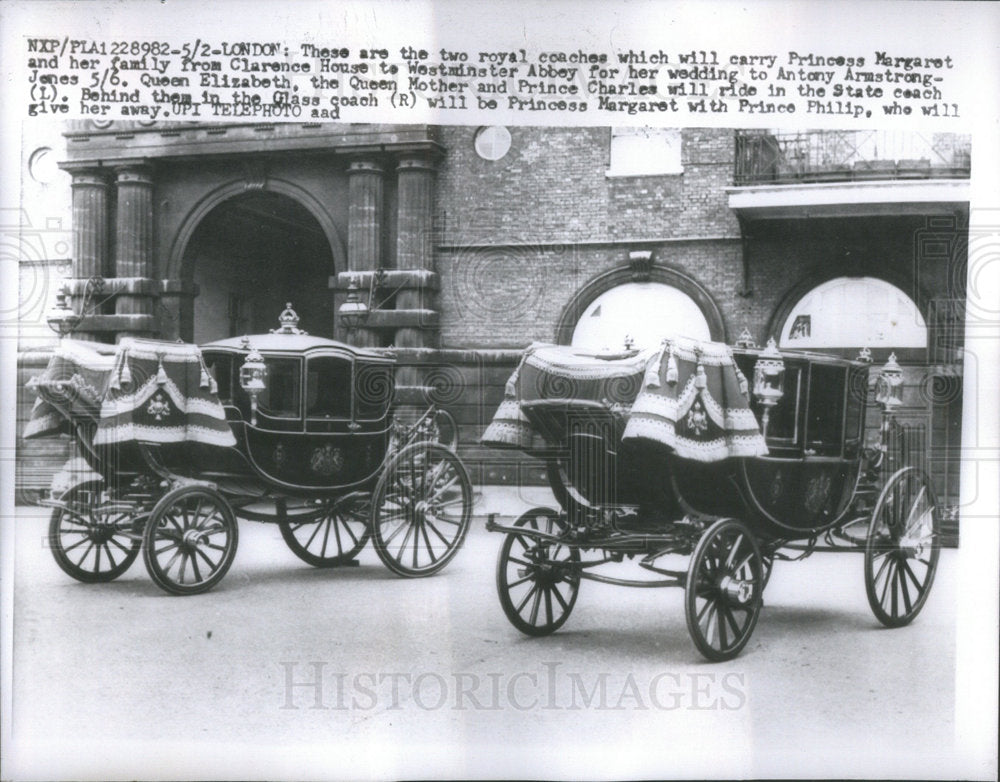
803	486
323	423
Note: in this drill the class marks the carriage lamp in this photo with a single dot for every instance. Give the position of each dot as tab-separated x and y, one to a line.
62	318
253	380
769	380
355	311
889	386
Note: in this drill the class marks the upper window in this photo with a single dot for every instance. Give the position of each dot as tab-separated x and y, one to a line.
645	151
644	312
855	312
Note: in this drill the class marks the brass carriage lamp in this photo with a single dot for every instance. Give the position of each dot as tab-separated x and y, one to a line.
889	386
769	380
253	380
62	318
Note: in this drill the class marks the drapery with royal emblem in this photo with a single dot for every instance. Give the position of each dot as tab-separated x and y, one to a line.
687	395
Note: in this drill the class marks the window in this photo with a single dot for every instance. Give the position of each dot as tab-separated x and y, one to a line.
826	408
645	152
220	365
492	142
645	312
328	387
281	398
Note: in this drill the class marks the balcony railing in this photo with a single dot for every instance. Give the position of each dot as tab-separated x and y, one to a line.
765	157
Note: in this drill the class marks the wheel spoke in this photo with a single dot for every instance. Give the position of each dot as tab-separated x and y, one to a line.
534	606
560	598
917	583
721	622
204	556
326	536
527	597
80	542
173	559
396	532
406	539
86	552
427	543
194	567
427	523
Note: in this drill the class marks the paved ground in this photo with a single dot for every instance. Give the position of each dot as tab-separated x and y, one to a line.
286	671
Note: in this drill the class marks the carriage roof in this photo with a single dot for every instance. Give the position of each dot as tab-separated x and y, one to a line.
278	342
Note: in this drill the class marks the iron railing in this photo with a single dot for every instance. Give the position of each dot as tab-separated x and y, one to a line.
766	157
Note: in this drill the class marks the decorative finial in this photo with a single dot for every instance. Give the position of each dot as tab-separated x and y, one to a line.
745	339
289	321
865	355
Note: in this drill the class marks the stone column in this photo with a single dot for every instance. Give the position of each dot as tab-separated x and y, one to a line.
134	240
414	243
364	230
91	234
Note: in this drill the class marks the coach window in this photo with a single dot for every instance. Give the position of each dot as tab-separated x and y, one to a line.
644	312
328	387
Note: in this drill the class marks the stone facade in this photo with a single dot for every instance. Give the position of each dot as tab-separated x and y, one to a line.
476	258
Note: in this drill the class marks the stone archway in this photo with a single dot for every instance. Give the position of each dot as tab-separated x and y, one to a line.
644	273
248	251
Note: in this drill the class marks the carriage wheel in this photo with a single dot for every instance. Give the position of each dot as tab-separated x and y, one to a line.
903	546
333	538
190	540
537	581
89	542
421	509
723	591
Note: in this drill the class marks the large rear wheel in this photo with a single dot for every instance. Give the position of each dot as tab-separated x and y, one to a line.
333	537
725	582
903	547
421	509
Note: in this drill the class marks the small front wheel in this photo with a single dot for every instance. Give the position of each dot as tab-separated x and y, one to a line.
537	580
903	547
725	582
190	540
92	541
421	509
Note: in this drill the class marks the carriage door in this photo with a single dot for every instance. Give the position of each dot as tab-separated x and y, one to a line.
336	455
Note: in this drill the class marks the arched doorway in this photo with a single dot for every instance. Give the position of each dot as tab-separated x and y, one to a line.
251	254
645	312
853	313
